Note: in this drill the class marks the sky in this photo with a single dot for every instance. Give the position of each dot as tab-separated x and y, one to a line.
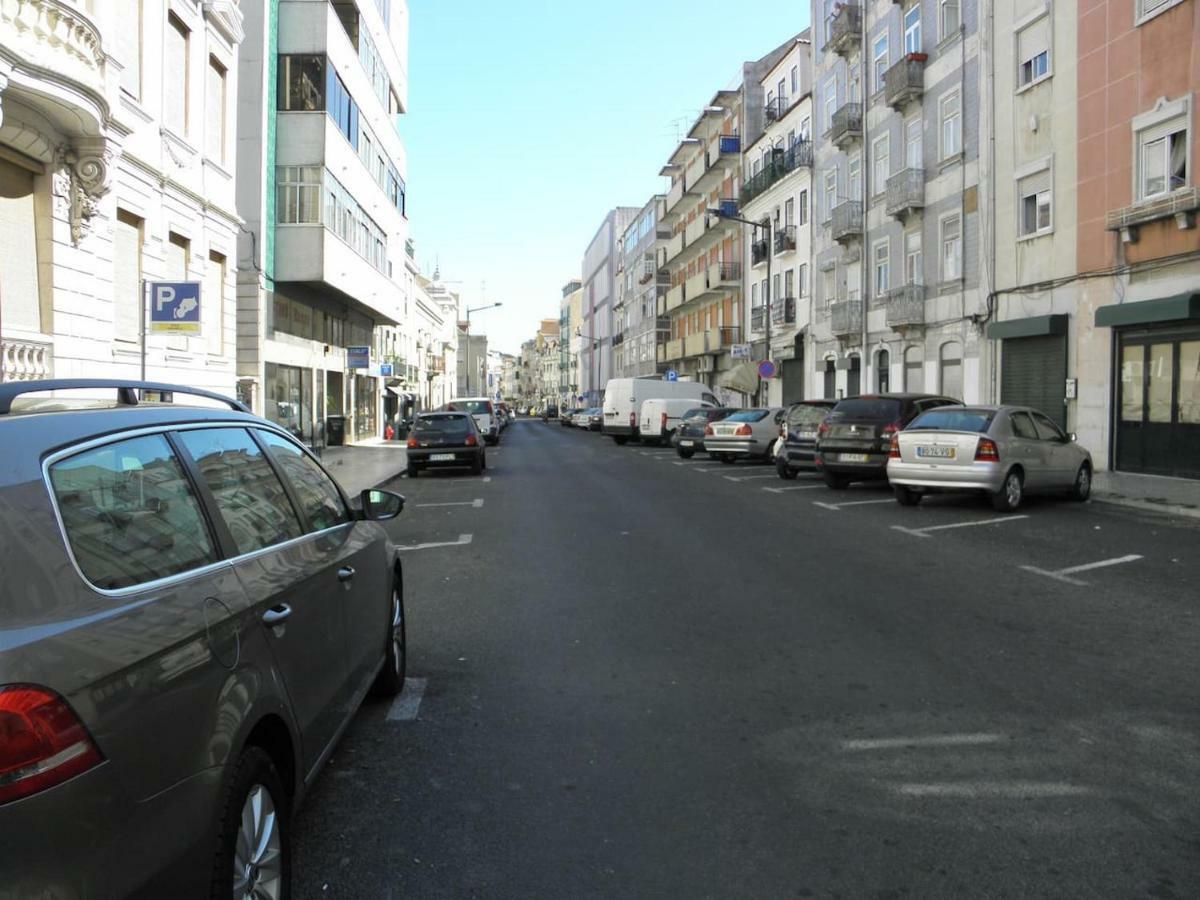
528	120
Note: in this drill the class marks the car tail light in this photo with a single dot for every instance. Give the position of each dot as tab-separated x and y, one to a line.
471	442
987	451
891	428
822	429
662	424
633	420
744	431
894	448
412	443
42	742
708	432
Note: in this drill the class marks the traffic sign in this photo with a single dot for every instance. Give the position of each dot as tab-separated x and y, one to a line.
766	369
672	375
385	370
358	357
740	351
175	307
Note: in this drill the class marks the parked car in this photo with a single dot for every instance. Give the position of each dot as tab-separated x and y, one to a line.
623	398
1005	452
595	419
503	415
580	419
445	440
199	613
660	418
853	441
566	415
745	434
689	437
798	431
484	413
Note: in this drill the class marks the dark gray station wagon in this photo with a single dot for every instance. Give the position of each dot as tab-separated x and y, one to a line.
191	611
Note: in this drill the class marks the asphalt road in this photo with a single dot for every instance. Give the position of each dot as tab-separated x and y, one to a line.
646	678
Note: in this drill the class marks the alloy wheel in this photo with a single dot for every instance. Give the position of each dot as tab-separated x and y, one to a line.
1012	490
258	856
397	632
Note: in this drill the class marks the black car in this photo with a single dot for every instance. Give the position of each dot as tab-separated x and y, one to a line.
689	436
853	441
799	431
567	414
445	440
596	419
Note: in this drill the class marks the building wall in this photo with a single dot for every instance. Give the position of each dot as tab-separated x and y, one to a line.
636	294
599	273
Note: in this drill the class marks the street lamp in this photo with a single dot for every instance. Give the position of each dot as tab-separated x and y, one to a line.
769	227
471	309
595	344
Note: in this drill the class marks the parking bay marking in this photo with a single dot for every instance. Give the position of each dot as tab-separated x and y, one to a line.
924	532
836	506
405	707
1063	574
750	477
463	540
792	487
477	503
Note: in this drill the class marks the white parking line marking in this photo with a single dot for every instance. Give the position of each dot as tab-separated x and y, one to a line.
713	469
933	740
793	487
477	503
1013	790
924	532
836	506
1062	574
463	539
487	478
404	708
680	463
750	477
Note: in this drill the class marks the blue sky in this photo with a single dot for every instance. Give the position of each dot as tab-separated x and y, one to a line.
529	119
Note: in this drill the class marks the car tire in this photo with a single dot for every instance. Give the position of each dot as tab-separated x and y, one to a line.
412	471
685	454
905	496
620	440
727	459
483	461
836	482
477	465
255	796
1082	489
786	472
390	680
1011	492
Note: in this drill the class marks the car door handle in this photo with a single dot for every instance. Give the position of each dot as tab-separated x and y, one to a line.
345	573
276	615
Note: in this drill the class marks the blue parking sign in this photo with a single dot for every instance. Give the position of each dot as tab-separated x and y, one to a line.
672	375
175	307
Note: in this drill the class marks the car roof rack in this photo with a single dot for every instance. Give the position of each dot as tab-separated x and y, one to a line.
126	390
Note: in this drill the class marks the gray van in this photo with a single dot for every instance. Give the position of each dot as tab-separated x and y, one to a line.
191	612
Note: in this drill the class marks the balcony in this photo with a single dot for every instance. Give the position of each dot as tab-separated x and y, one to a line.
775	109
847	221
712	281
846	125
758	252
906	306
675	196
26	360
674	299
905	192
721	157
783	311
780	164
618	339
725	275
758	319
1181	205
844	29
647	271
846	318
696	287
660	353
697	344
728	335
785	239
904	81
662	325
674	350
674	247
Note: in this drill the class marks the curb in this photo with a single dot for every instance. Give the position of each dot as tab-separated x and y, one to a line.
1152	506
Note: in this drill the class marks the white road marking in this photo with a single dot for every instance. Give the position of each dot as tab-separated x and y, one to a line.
1063	574
404	708
463	539
836	506
933	740
680	463
924	532
713	469
750	477
487	478
793	487
1013	790
477	503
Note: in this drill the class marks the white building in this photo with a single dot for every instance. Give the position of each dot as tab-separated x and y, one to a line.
321	187
117	155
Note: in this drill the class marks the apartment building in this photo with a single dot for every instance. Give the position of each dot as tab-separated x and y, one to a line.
703	255
776	193
437	346
323	84
599	293
897	252
570	322
117	148
472	362
635	316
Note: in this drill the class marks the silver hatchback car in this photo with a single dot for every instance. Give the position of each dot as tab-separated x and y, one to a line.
190	614
1002	451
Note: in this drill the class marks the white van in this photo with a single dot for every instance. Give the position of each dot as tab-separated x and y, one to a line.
623	399
483	411
659	418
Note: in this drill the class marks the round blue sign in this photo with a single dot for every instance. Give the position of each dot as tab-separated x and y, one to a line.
672	375
766	369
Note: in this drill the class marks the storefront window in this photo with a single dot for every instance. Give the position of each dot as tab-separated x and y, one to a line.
366	398
1161	377
288	399
1131	383
1189	383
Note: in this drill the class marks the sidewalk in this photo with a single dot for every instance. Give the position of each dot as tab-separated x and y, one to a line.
1173	496
365	465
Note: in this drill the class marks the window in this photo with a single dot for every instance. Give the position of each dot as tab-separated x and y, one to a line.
882	265
830	193
806	129
128	301
301	83
1033	52
950	366
247	492
913	145
803	279
882	371
1047	430
803	219
789	283
319	497
912	29
1033	197
830	98
880	56
298	195
129	46
1147	9
880	154
828	286
175	85
177	256
1162	158
754	295
795	81
129	513
789	212
212	307
341	106
781	93
856	177
1022	426
948	17
913	272
214	131
951	109
951	248
914	370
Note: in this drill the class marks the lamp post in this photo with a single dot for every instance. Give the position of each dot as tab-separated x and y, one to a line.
769	228
471	309
595	345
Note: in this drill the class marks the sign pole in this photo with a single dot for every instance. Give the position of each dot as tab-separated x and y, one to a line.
142	313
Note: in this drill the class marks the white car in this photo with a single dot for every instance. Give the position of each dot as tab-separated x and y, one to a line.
623	399
745	434
484	413
660	418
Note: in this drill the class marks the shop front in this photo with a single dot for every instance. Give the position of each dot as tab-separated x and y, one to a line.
288	400
366	405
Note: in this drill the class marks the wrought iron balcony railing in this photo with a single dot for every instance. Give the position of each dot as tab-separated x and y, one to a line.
906	306
844	29
905	192
846	124
846	318
904	81
785	238
847	221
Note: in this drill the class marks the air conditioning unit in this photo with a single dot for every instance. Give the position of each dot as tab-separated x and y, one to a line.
704	364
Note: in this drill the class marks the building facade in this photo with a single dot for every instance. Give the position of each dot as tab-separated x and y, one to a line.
635	313
570	323
472	367
117	148
599	293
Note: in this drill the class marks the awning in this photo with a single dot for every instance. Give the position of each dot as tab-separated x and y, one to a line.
1145	312
743	377
1032	326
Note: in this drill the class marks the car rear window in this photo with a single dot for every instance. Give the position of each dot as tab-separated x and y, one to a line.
953	419
880	409
443	424
748	415
806	414
474	407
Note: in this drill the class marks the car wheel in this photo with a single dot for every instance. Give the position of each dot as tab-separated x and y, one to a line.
1010	494
837	482
412	471
620	440
784	471
483	461
1082	488
726	458
685	454
390	680
905	496
477	465
254	853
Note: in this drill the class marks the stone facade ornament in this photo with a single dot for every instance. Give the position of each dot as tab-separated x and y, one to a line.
85	179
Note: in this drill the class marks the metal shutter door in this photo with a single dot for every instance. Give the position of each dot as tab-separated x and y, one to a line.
1033	372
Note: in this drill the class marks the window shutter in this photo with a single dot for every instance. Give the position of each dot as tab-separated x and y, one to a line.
1035	183
1033	39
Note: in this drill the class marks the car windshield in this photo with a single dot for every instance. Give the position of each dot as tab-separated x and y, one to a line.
475	407
881	409
953	419
749	415
446	424
806	414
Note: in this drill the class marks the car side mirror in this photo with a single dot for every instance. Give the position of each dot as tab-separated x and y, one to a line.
379	506
1071	437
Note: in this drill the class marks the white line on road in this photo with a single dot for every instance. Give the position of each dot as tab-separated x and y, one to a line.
463	539
933	740
750	477
793	487
487	478
477	503
712	469
924	532
1014	790
836	506
404	708
1063	574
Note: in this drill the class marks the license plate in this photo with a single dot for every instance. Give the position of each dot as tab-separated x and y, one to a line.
936	452
685	443
852	457
441	457
806	435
